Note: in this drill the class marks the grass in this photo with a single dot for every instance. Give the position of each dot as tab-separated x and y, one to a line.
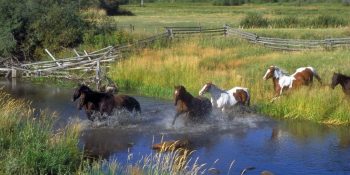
166	161
28	144
230	62
155	16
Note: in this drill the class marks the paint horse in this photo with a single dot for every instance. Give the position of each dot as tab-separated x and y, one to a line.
195	108
94	101
226	99
343	80
282	81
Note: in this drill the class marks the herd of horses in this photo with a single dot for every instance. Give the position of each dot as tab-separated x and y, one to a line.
198	108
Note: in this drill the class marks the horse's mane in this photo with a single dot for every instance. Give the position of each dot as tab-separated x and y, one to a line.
343	75
279	72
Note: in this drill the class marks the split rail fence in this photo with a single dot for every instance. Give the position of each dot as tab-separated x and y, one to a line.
92	61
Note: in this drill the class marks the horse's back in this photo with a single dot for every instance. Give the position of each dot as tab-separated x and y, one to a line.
128	102
202	105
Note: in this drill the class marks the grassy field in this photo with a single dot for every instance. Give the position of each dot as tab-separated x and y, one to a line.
230	62
154	16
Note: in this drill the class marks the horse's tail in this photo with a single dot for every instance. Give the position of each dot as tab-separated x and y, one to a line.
316	75
248	97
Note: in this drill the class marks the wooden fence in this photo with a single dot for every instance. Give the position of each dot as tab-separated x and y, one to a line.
289	44
92	61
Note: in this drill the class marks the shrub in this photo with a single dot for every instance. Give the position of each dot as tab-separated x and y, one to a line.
253	20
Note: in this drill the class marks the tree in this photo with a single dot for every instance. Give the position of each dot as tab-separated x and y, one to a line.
31	25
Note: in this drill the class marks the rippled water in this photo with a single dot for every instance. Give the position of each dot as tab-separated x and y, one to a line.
282	147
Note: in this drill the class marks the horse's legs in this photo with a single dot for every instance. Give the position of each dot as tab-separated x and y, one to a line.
175	117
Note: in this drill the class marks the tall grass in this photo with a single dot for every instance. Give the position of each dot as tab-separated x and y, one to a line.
230	62
28	144
167	160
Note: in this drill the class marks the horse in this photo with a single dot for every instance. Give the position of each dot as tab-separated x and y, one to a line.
343	80
225	99
127	102
119	101
195	108
281	81
94	101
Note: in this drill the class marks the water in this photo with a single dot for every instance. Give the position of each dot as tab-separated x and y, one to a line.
282	147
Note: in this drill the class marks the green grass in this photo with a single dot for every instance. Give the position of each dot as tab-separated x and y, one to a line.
154	16
28	144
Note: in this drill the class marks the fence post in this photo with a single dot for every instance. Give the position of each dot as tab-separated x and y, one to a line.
13	73
256	39
170	33
98	74
329	43
225	29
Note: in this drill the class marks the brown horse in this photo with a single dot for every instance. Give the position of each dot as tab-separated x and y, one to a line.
282	81
119	102
343	80
195	108
94	101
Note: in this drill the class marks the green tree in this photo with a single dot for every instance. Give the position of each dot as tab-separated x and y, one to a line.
28	26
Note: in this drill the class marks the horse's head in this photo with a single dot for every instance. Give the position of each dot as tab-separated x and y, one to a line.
335	80
179	93
270	72
80	90
205	88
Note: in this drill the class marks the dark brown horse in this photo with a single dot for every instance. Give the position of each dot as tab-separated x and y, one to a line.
282	81
195	108
118	101
94	101
343	80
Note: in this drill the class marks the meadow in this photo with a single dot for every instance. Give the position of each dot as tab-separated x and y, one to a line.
228	61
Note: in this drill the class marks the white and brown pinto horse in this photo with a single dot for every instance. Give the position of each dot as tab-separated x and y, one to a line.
226	99
282	81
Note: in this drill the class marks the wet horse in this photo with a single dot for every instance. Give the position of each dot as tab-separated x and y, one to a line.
195	108
226	99
282	81
119	101
94	101
343	80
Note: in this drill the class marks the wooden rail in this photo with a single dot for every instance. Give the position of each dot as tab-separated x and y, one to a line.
290	44
91	61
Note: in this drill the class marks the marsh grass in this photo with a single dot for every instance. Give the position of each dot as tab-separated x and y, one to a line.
28	144
167	160
230	62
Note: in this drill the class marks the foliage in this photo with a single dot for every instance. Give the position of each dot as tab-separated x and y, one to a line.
32	25
28	144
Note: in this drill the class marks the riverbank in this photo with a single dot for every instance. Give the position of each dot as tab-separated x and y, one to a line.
229	62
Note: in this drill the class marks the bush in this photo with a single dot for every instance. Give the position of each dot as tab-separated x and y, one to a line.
253	20
29	26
